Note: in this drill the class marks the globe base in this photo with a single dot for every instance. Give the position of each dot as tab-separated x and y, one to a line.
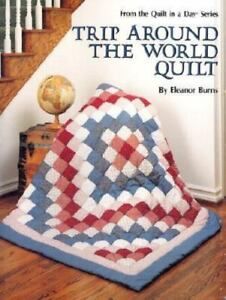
56	123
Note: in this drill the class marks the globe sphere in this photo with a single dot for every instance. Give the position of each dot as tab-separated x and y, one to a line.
56	94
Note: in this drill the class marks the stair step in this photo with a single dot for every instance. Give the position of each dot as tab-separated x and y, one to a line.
18	68
6	79
10	64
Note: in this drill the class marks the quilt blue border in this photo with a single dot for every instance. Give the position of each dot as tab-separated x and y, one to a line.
135	282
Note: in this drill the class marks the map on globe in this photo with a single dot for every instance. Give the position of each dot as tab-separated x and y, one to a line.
56	94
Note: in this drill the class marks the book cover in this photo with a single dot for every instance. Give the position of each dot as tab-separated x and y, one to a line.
170	52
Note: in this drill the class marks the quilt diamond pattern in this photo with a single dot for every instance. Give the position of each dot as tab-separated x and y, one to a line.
108	197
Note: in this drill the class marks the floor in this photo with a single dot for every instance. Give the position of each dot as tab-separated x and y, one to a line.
27	275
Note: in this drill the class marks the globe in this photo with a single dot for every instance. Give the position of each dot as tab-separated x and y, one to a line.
56	94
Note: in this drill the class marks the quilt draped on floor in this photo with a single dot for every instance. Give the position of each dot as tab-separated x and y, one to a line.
108	197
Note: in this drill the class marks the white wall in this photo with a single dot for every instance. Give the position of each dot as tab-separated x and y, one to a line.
191	123
224	87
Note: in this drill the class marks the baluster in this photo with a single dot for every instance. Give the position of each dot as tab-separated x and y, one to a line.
48	3
56	3
18	28
38	15
28	19
7	40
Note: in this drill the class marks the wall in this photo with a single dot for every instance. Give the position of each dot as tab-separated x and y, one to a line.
191	123
224	104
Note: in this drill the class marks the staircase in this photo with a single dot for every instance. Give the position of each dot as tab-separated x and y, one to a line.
17	68
13	19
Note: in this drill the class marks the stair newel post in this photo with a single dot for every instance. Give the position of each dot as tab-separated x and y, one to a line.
48	3
28	19
7	40
38	15
56	3
18	28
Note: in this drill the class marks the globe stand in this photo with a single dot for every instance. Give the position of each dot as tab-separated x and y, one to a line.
57	121
56	124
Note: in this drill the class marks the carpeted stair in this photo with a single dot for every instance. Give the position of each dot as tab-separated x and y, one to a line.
17	68
13	18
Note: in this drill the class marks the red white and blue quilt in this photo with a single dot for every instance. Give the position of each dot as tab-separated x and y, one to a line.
108	198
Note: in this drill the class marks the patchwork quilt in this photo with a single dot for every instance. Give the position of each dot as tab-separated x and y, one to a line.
108	198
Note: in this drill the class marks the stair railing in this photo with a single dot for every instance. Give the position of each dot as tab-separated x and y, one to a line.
7	40
18	28
56	3
48	3
28	23
28	18
38	15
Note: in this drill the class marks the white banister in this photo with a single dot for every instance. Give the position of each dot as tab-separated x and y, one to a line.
28	19
7	40
38	15
7	45
56	3
48	3
18	28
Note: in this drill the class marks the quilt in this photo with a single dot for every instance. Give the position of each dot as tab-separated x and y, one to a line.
108	198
